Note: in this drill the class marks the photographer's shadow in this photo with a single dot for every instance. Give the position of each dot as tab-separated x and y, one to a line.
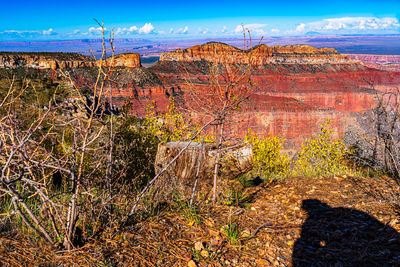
344	237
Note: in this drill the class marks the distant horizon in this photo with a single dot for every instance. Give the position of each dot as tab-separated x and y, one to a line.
383	44
64	20
195	37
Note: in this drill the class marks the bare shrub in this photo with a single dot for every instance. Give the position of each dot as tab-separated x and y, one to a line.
56	154
376	140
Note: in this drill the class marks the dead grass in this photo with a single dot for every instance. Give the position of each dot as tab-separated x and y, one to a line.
268	229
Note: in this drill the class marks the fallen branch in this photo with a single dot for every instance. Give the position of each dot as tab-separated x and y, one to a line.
255	232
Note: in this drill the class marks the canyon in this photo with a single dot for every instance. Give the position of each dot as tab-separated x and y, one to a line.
295	87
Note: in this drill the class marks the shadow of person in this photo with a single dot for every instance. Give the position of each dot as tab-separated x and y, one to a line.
344	237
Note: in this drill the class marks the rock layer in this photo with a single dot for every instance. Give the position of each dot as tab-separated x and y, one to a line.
383	62
64	60
131	60
296	87
45	60
259	55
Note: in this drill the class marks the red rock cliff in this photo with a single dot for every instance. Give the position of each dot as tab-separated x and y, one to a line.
297	87
64	60
130	60
45	60
259	55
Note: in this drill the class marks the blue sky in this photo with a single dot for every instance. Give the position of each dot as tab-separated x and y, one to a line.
57	19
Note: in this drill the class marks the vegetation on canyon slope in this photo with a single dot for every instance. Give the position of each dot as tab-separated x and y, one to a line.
41	148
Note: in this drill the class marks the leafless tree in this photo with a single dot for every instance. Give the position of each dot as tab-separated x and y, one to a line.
377	140
229	85
28	166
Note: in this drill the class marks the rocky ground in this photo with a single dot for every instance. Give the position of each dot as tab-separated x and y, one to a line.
338	221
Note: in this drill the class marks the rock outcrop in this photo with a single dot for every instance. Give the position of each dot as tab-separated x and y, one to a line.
259	55
56	61
129	60
129	83
45	60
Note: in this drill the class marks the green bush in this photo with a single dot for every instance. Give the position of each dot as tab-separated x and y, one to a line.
322	155
134	153
170	126
268	160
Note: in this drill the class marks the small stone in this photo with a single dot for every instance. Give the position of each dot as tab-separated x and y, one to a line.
262	263
198	246
209	222
253	208
204	253
216	241
245	233
213	232
191	263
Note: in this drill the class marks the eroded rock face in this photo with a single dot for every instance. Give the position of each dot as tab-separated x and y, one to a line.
56	61
296	88
135	88
259	55
130	84
383	62
45	60
131	60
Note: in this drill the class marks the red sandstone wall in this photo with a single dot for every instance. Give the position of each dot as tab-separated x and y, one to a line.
292	98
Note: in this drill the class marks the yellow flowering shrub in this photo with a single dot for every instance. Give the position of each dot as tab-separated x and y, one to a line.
170	126
268	160
322	155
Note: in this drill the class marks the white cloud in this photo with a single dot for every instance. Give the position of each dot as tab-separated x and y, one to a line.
95	30
203	31
350	24
28	33
224	29
275	30
255	28
147	28
125	30
133	29
358	23
48	32
184	30
300	28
